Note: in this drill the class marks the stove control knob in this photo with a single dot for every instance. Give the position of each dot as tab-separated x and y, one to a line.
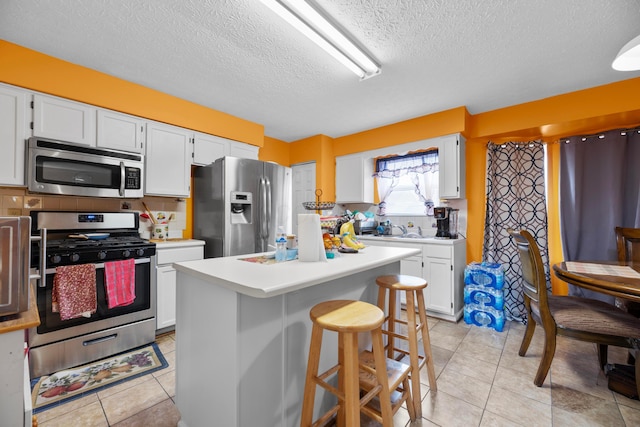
102	255
56	259
126	253
140	252
74	257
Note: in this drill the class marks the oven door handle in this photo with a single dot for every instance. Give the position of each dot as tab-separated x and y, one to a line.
42	276
122	179
99	265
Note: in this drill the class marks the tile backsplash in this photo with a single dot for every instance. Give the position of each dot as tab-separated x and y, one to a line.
15	201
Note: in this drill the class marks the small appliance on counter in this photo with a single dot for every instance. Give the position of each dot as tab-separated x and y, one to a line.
447	222
15	258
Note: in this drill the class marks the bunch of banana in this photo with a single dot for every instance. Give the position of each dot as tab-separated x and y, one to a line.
350	242
349	238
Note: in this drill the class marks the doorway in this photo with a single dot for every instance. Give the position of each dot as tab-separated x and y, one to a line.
304	187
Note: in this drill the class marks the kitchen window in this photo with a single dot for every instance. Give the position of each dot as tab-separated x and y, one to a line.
408	184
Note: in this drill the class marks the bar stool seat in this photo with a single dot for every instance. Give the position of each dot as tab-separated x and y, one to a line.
347	318
412	287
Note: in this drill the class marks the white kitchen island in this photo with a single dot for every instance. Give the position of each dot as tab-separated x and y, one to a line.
243	331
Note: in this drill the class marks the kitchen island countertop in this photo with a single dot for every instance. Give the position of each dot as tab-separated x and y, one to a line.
268	280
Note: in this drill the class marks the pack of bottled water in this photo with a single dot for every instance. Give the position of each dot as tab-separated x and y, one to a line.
483	295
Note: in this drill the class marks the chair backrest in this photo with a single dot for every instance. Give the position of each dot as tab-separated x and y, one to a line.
535	283
628	242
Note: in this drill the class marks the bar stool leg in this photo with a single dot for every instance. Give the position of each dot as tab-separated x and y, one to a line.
312	370
413	353
381	374
391	324
426	342
351	379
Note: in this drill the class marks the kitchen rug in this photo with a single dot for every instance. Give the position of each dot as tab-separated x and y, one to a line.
69	384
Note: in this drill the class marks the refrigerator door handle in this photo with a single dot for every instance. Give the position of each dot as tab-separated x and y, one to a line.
264	230
268	208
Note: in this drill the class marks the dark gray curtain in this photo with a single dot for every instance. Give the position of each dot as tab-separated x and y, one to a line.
515	199
599	190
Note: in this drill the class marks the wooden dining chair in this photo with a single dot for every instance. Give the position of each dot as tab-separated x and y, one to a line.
628	244
575	317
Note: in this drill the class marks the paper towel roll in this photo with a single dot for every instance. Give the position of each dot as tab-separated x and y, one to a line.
310	246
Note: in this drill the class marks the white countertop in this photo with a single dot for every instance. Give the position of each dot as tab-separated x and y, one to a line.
268	280
178	243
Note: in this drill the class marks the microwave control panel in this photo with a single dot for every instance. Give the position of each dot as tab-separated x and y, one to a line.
133	178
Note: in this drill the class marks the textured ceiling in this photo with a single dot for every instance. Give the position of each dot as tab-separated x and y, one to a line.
237	56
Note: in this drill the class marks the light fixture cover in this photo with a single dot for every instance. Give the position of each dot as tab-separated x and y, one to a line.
303	17
628	59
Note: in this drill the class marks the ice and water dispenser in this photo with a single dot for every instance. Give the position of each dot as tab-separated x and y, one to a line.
241	204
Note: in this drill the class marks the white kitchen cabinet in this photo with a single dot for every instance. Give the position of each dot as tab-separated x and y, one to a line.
167	160
354	181
207	148
451	158
64	120
120	131
166	255
245	151
412	266
444	272
13	134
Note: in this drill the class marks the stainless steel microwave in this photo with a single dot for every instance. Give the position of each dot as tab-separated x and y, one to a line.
57	167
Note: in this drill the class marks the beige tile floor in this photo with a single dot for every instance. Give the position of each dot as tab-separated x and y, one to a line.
481	382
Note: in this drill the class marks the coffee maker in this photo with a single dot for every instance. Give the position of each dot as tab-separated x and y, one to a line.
447	221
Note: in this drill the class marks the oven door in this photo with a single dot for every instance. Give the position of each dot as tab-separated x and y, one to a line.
52	328
58	168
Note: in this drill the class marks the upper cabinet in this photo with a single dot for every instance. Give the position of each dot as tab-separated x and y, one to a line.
452	167
245	151
65	120
207	148
120	131
354	181
167	160
13	134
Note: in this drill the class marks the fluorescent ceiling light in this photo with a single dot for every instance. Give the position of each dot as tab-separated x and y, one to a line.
317	28
628	58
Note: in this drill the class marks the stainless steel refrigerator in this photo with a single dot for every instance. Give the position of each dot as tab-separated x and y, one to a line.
239	204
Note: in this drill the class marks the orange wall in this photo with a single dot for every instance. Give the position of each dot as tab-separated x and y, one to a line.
429	126
275	150
29	69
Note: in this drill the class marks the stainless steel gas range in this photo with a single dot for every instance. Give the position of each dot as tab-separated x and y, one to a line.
97	238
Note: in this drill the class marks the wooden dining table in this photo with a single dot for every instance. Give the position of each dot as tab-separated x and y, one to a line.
610	284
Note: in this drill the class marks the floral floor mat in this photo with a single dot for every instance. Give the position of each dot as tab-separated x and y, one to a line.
58	388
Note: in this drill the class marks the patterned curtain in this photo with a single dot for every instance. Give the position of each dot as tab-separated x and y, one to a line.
515	199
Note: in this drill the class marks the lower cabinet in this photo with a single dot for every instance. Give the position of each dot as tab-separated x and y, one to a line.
166	255
442	266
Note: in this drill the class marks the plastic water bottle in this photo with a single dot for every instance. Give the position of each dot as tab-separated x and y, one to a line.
281	245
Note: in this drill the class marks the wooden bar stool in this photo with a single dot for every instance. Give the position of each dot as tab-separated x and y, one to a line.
412	287
348	318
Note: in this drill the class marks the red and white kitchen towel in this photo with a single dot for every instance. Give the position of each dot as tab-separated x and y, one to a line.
120	282
74	291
